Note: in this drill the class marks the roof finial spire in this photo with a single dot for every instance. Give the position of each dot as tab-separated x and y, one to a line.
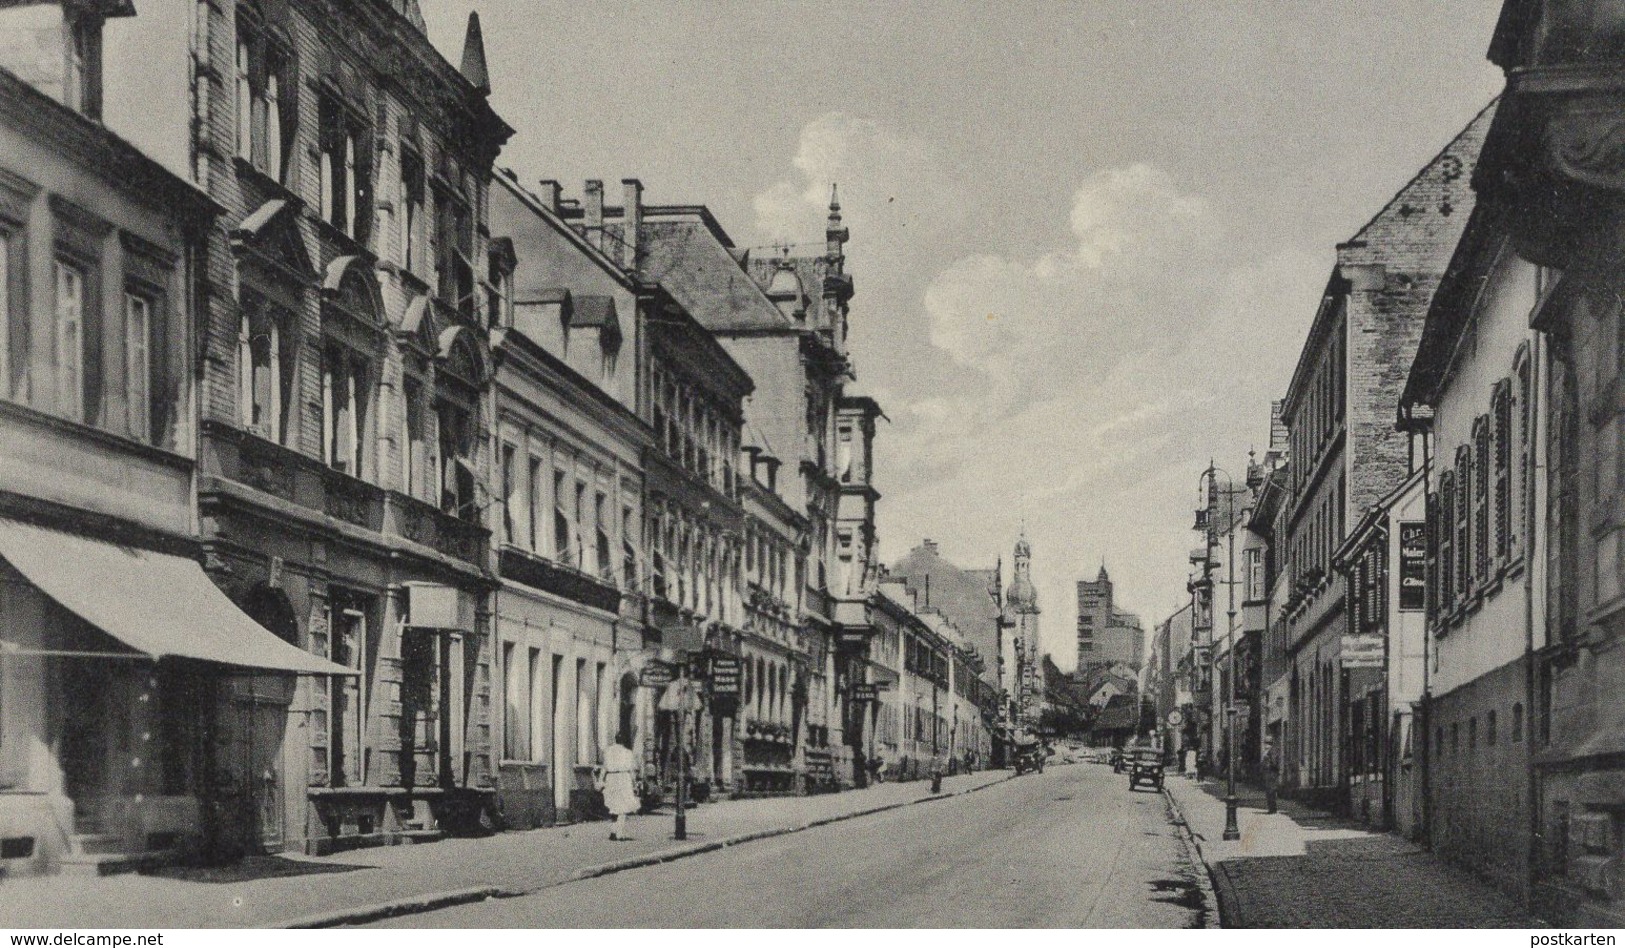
473	68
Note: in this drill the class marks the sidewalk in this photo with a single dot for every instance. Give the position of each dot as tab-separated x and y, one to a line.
1301	868
282	890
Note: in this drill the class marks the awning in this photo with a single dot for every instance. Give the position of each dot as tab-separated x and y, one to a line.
160	605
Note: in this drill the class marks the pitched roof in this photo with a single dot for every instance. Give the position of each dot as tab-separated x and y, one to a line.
687	258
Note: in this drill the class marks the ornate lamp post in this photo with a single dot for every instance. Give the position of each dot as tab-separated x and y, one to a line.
1232	830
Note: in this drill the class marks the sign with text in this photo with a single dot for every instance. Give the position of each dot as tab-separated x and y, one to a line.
657	675
865	692
1413	578
724	675
1362	651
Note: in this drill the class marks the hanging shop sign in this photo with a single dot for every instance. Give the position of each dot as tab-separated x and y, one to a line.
1413	579
657	675
724	674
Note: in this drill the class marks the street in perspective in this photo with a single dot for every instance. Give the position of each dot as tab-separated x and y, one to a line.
1099	465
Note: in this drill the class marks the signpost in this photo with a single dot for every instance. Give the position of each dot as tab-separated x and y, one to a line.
681	697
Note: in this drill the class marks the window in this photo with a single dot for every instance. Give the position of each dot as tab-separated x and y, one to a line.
456	445
412	208
69	336
266	366
533	506
1446	541
578	557
510	500
346	715
415	457
346	170
537	709
498	293
1517	722
1489	729
1455	737
843	455
138	326
454	253
1463	522
265	98
561	522
1472	733
514	745
629	553
602	524
1481	499
346	397
1500	437
13	318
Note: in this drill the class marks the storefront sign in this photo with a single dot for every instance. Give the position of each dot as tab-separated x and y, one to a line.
657	675
1413	580
1362	651
865	692
724	675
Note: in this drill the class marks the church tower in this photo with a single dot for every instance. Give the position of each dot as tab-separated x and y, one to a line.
1021	605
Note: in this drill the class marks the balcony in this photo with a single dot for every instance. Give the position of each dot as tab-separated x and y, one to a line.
550	577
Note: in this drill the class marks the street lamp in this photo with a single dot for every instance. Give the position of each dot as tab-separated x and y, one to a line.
1232	830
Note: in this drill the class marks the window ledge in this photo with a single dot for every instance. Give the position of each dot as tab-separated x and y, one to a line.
1604	611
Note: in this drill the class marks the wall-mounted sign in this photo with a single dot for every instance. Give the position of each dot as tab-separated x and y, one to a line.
865	692
1413	577
1362	651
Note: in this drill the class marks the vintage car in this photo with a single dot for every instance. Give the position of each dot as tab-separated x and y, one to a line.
1144	766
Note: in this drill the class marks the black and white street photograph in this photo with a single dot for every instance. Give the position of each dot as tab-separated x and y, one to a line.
811	464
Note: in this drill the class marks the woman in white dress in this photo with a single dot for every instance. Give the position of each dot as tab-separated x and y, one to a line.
615	779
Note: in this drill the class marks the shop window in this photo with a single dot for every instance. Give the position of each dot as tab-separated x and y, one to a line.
266	97
346	715
346	169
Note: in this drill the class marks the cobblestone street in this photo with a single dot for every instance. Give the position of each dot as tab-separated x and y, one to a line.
1300	868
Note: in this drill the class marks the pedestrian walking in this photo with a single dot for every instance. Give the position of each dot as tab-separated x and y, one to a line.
1270	762
614	780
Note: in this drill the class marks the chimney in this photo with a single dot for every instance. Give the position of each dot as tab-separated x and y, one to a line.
930	546
772	473
549	194
632	216
594	220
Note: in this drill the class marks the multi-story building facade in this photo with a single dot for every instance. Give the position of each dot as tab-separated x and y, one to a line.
568	341
1107	635
1550	169
121	658
344	391
1346	454
781	751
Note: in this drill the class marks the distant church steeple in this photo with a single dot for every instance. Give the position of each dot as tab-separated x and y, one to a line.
1023	595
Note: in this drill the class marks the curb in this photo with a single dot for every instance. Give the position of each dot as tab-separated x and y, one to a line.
432	901
1212	881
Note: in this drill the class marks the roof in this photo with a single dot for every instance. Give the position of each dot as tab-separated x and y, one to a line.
1454	303
687	257
1121	713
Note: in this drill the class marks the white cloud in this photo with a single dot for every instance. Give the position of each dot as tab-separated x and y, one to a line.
1079	387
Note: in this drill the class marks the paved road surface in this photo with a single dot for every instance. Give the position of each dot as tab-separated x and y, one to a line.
1071	847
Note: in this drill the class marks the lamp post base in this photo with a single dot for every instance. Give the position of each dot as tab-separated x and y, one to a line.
1231	830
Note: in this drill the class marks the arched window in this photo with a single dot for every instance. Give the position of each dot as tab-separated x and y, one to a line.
460	378
352	329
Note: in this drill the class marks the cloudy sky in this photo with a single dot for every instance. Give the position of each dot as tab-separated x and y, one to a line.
1087	237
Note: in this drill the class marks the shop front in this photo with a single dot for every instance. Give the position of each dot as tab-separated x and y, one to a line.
128	733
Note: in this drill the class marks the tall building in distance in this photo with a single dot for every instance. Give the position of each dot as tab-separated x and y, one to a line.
1107	636
1021	606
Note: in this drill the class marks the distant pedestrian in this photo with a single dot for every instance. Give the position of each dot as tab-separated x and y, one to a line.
614	779
1270	763
877	773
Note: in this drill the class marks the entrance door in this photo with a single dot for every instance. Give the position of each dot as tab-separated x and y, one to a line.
261	722
83	748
